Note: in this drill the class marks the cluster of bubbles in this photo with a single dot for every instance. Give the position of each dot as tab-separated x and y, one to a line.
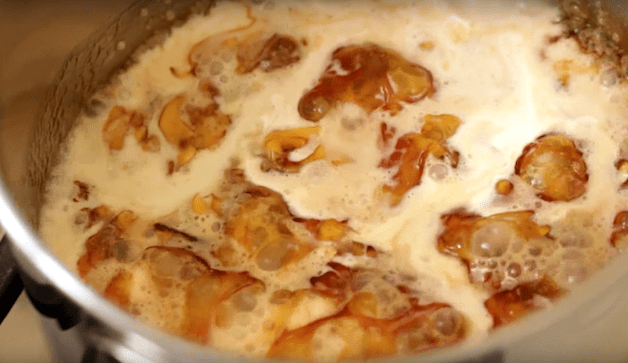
505	259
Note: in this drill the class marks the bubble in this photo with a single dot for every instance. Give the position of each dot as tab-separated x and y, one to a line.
492	240
438	172
144	12
572	254
517	245
269	257
514	270
529	265
244	301
609	78
170	15
446	321
576	238
535	251
576	274
314	108
80	218
216	68
121	45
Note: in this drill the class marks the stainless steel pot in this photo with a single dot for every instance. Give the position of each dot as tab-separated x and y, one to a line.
593	319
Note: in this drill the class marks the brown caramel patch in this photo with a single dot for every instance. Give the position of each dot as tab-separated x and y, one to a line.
106	244
386	135
170	271
160	227
118	290
119	122
482	241
276	52
370	76
334	283
412	150
554	167
326	230
203	297
508	306
279	144
200	205
619	237
95	215
83	191
261	227
504	187
204	128
418	328
622	166
373	317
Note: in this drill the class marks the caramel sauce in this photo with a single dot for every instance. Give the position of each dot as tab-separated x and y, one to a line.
554	167
279	51
412	150
177	270
335	283
387	133
119	289
204	128
479	241
203	297
619	236
93	216
279	144
105	244
504	187
365	337
261	227
325	230
119	122
508	306
83	193
370	76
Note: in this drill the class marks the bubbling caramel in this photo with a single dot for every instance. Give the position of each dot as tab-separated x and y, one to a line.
484	242
364	337
119	122
279	145
370	76
554	167
378	320
619	237
204	128
412	150
279	51
107	243
508	306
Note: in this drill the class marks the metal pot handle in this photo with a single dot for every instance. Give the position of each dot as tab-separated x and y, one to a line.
11	285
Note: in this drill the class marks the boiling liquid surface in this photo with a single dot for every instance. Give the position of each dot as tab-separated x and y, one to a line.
498	68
